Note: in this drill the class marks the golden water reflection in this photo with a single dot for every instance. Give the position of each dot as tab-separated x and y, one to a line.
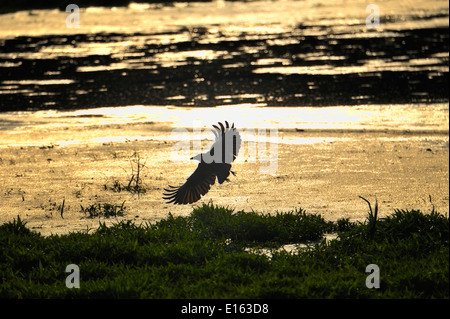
132	122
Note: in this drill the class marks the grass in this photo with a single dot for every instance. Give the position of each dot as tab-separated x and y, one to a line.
103	210
205	255
135	183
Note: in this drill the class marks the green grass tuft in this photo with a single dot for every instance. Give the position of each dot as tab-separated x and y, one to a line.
253	228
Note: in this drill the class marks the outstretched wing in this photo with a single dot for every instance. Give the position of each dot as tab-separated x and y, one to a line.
197	185
226	146
227	143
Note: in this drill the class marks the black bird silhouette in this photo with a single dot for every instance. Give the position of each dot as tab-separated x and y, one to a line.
214	163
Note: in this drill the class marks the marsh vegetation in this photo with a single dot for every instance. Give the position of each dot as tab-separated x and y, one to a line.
206	255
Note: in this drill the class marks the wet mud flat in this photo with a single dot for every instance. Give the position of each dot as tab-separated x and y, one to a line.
406	171
204	66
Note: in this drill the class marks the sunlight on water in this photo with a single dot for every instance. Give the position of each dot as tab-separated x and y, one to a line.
224	53
234	17
413	65
147	37
169	59
40	82
370	118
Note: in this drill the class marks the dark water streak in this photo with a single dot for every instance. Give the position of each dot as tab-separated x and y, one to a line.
199	82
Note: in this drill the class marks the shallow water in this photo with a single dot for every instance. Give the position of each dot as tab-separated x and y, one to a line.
38	128
264	53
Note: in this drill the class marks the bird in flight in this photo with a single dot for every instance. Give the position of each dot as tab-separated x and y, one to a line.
215	163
